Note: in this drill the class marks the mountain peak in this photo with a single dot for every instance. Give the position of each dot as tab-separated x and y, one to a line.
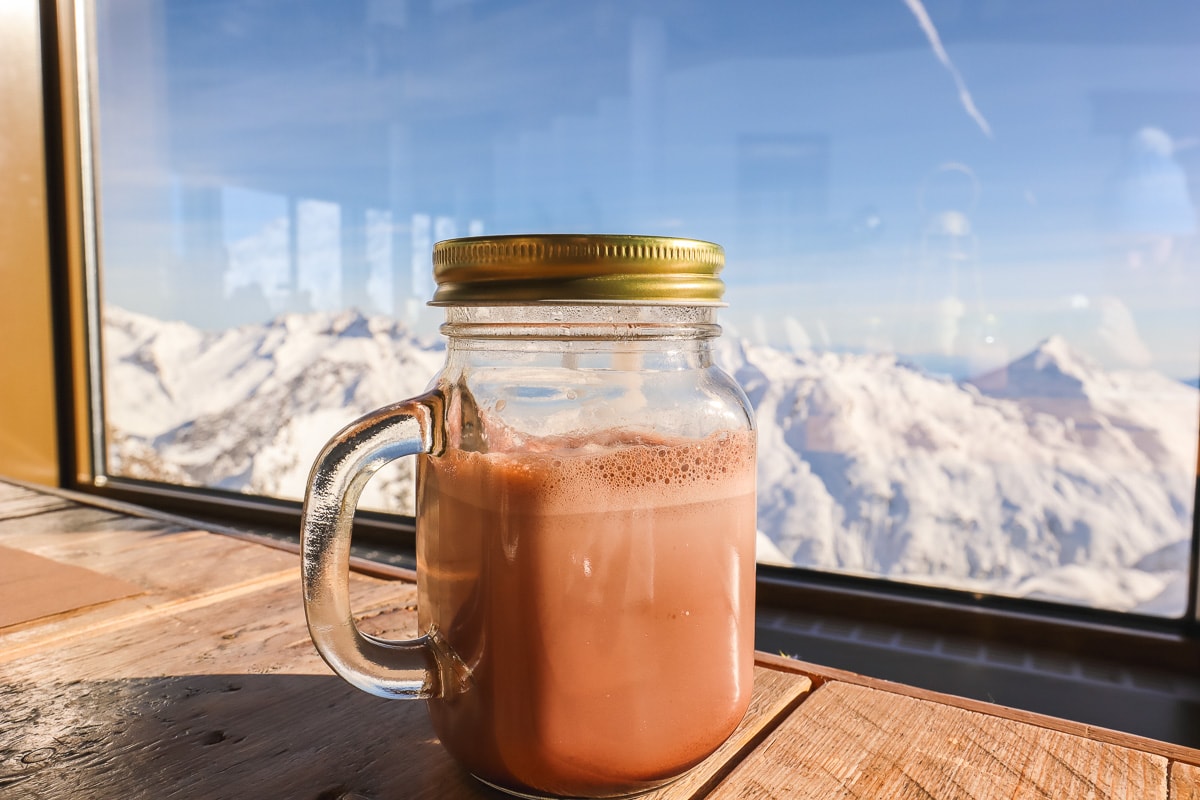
1055	352
1052	369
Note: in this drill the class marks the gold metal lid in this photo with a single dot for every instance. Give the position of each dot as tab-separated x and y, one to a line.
577	269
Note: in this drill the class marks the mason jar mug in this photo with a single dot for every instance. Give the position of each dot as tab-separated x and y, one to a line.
585	516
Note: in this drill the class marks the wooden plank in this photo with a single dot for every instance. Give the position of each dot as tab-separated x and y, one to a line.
260	630
8	490
854	741
16	502
775	694
73	518
138	663
1185	782
821	674
168	563
141	517
231	700
222	700
170	567
33	587
16	492
22	501
226	736
225	618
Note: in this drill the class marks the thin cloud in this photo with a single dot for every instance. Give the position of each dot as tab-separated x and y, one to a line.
935	41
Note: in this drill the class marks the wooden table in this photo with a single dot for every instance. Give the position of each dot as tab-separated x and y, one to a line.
179	666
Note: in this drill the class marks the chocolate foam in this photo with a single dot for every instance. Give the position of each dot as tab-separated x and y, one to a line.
619	470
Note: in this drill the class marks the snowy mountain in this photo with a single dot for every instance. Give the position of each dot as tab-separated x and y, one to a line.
249	408
1049	478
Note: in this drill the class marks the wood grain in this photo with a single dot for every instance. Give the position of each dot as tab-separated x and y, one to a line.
10	490
33	587
822	674
848	741
142	517
258	631
775	694
231	700
1184	783
170	567
218	735
73	518
214	676
17	502
221	700
207	685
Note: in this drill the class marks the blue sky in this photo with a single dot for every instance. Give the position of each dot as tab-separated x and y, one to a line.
954	181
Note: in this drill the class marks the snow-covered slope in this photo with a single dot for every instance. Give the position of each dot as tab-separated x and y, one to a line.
249	408
1050	478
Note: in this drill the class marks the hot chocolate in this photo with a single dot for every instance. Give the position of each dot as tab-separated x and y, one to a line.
600	599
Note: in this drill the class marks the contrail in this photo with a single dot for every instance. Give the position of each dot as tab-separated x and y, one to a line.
935	41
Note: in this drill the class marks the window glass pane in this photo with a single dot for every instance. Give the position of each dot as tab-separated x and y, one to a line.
964	276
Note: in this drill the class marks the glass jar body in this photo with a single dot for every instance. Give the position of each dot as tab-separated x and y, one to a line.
585	546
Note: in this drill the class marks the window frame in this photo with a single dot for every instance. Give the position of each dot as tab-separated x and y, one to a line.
64	281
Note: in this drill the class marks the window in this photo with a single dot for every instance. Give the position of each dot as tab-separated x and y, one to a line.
963	267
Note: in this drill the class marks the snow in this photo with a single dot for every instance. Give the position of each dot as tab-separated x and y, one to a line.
1051	477
767	553
249	408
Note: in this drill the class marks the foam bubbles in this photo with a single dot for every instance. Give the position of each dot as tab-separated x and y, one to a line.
631	469
619	469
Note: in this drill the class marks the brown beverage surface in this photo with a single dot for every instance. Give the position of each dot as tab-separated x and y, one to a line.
602	599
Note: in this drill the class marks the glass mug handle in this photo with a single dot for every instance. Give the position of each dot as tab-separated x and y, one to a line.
396	669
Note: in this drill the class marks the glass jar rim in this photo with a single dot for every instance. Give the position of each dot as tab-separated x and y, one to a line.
564	322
